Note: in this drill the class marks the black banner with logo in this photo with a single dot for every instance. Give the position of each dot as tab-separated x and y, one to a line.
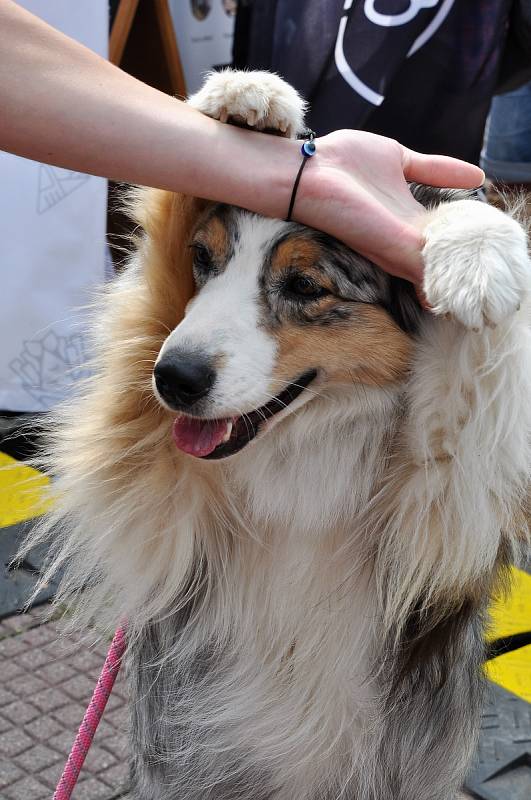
421	71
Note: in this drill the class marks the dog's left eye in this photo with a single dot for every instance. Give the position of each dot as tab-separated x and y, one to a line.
305	288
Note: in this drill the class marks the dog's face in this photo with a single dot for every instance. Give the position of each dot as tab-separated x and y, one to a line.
279	310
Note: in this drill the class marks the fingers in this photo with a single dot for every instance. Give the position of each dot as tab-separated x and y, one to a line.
441	170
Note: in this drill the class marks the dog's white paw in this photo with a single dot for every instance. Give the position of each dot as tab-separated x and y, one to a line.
477	267
260	100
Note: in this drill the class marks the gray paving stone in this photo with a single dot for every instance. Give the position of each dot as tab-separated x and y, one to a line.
117	745
92	789
85	661
27	685
115	701
119	717
13	742
23	622
34	658
43	728
117	777
12	646
106	730
13	624
63	741
10	669
50	699
20	712
36	758
6	697
56	672
29	788
51	775
80	687
43	635
37	735
5	725
70	716
99	759
9	772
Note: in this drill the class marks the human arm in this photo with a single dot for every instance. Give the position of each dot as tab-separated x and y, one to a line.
64	105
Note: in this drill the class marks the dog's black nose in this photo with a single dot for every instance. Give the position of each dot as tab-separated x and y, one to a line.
183	378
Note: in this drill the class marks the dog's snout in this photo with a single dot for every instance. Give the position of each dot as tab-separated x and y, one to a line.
183	378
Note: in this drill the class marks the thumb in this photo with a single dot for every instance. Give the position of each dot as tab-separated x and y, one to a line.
441	170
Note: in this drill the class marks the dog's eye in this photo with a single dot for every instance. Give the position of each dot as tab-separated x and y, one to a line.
305	288
202	258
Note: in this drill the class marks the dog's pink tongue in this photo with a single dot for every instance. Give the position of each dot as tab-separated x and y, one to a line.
199	437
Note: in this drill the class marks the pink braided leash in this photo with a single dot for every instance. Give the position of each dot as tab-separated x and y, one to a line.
92	717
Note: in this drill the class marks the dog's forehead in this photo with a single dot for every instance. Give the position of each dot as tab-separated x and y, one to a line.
247	245
254	239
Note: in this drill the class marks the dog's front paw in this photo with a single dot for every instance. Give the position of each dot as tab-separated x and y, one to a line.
258	100
477	267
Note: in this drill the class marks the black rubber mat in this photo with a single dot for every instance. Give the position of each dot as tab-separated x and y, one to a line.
503	766
17	583
18	435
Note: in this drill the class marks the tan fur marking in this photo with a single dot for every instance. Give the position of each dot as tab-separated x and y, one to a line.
371	350
143	315
297	251
214	235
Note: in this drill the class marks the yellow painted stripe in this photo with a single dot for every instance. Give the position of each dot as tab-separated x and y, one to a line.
513	671
23	492
512	614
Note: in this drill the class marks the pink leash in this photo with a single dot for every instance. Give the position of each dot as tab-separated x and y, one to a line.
92	717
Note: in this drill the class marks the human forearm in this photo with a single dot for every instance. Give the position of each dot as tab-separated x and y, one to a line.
83	113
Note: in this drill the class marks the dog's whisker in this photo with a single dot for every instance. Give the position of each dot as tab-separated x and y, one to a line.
299	386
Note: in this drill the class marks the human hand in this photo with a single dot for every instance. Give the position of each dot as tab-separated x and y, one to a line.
356	190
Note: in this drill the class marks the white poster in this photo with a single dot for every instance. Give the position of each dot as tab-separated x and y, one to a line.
204	30
52	249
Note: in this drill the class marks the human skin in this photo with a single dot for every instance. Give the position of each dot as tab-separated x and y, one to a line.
62	104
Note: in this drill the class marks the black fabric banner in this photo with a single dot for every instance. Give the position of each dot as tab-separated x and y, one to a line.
421	71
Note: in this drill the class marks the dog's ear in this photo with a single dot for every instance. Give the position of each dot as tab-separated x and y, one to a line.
165	223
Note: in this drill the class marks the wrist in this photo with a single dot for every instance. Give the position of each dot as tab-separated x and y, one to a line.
261	173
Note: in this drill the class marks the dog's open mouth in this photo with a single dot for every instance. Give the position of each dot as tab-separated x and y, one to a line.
219	438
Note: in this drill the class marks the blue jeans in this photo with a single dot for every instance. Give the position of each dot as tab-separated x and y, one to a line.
506	154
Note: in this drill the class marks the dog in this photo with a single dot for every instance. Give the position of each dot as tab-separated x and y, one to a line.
300	488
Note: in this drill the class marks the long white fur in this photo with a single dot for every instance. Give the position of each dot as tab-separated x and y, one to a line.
468	433
344	503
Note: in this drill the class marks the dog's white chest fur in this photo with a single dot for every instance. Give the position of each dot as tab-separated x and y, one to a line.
315	471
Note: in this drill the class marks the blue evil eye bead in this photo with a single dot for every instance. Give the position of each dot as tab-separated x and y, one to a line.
308	148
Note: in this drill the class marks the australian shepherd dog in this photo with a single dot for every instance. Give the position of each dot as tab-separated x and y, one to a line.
299	488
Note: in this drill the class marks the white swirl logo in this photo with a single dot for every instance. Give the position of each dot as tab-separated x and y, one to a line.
391	20
386	21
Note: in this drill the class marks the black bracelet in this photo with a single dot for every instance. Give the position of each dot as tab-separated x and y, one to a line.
308	150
